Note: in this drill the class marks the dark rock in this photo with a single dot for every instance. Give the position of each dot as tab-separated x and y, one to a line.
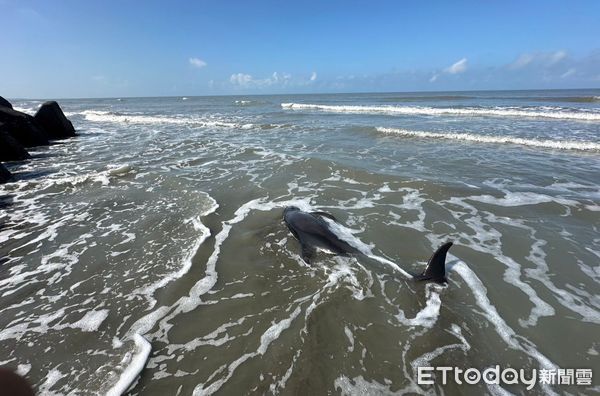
5	103
53	120
10	148
12	383
4	174
23	127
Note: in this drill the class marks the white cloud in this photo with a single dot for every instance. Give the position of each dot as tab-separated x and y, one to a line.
544	59
240	79
457	67
568	73
197	62
313	76
557	57
247	81
276	78
522	61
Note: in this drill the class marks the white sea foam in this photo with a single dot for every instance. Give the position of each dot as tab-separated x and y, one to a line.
470	137
437	111
271	334
91	321
191	301
350	338
573	302
26	110
275	330
512	199
53	376
506	333
23	369
215	338
360	386
204	285
204	233
103	177
208	121
487	240
133	363
425	359
428	315
117	170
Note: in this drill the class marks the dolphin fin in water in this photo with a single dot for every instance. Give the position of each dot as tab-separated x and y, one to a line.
436	266
313	232
308	252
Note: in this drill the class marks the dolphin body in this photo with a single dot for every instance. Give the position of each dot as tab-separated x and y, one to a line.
313	232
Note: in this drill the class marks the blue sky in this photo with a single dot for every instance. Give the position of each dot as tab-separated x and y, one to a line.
58	49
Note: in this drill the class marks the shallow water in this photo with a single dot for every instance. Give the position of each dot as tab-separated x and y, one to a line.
163	219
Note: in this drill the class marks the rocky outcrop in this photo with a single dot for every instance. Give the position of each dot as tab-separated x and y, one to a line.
5	103
10	148
19	130
23	128
53	120
4	174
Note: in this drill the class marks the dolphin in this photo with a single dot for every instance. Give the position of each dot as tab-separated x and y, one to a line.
313	232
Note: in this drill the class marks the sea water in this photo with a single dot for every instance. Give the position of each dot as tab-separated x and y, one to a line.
153	243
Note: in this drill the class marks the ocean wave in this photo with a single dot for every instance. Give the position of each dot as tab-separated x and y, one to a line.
439	111
571	99
423	98
250	103
107	116
26	110
131	365
470	137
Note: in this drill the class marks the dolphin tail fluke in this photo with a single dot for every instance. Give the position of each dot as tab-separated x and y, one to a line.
436	266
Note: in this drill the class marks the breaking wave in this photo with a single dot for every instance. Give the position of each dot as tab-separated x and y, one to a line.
540	112
107	116
470	137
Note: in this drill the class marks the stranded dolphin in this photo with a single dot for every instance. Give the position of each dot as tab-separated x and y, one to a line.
313	232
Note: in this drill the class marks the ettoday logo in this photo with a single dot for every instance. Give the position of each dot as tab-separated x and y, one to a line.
508	376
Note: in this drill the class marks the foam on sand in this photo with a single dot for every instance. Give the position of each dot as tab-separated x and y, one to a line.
91	321
271	334
203	232
134	362
540	112
428	315
360	386
506	333
475	138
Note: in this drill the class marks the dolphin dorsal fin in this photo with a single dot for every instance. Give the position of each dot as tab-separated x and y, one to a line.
436	266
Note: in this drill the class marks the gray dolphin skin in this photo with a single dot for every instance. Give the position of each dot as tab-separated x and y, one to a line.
313	232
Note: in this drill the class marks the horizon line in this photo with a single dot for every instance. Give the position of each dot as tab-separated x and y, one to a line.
308	93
